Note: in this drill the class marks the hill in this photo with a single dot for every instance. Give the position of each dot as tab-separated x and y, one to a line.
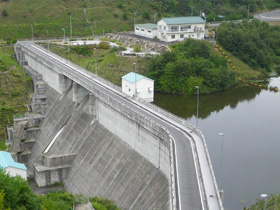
87	17
15	90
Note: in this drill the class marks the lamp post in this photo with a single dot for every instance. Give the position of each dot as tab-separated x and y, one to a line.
63	29
103	32
32	31
222	136
48	40
95	61
71	26
68	50
197	105
248	10
135	79
264	196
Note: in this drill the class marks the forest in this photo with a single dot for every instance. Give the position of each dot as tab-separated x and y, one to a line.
255	43
189	64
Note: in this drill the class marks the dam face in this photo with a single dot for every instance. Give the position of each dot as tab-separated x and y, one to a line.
83	131
91	143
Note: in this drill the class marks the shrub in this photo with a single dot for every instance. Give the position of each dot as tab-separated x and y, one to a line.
103	45
137	48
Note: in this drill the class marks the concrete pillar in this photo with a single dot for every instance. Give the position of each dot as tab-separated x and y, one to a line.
92	105
79	92
64	83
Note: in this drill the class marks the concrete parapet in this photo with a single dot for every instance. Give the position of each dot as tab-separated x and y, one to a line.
57	160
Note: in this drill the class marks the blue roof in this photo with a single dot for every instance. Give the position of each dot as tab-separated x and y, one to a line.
183	20
132	77
6	160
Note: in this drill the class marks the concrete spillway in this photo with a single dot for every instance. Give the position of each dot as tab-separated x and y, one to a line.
104	164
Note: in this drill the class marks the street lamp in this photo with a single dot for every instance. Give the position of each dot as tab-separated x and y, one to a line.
103	32
71	26
68	50
135	79
197	105
63	29
222	135
32	31
48	40
264	196
95	61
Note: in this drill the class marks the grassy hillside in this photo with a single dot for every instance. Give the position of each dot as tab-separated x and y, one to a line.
17	16
15	89
112	16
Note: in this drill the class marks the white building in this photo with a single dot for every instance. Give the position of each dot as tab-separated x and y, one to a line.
173	29
180	28
135	83
147	30
11	167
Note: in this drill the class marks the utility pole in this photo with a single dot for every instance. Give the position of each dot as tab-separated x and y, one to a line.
248	11
192	11
134	15
95	26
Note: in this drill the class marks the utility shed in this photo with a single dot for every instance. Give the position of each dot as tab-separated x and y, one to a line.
11	167
146	30
136	85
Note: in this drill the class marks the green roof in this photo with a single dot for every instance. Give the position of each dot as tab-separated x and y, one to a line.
183	20
147	25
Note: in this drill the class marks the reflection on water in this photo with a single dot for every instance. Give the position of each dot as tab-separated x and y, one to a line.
250	118
185	107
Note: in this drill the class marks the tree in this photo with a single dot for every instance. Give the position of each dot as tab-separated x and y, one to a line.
18	194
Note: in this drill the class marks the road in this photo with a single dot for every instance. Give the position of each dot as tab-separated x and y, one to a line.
268	16
196	188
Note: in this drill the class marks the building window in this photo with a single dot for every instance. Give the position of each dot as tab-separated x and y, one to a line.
198	35
174	28
181	36
142	29
149	31
159	27
185	28
172	36
164	28
137	28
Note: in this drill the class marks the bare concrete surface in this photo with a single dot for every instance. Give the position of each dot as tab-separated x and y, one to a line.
81	207
44	190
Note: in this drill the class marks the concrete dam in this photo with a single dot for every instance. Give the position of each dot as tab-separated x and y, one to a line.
81	130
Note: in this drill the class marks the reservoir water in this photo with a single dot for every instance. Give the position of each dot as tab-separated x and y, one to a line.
249	117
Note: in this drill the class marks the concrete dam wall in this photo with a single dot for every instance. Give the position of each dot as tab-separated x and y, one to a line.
92	143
